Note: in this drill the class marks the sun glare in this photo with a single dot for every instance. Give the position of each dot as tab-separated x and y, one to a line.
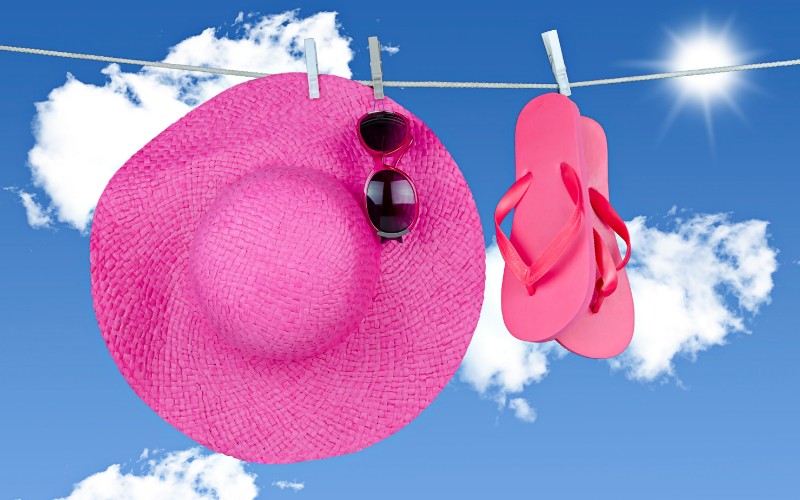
704	50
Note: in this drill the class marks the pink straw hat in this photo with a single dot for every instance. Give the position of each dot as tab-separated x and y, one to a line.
244	295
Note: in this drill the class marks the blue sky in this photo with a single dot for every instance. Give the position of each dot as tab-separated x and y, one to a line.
703	405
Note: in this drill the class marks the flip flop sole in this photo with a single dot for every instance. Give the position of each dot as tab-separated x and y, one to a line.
608	332
548	134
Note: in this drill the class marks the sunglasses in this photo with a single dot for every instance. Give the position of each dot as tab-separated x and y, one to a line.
389	195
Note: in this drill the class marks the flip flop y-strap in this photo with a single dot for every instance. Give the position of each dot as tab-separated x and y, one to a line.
530	274
606	284
602	207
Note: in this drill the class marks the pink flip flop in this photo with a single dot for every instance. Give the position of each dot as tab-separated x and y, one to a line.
550	267
604	328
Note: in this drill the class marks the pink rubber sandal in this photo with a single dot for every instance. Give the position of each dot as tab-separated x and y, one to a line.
605	328
550	267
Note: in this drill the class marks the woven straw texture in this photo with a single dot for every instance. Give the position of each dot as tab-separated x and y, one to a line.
243	295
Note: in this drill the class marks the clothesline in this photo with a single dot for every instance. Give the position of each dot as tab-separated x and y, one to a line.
419	84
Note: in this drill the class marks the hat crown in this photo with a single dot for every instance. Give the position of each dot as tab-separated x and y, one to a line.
284	263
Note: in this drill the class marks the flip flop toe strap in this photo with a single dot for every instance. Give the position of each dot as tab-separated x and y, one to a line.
602	207
530	274
607	282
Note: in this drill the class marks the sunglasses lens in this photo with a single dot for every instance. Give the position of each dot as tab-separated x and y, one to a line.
391	203
383	131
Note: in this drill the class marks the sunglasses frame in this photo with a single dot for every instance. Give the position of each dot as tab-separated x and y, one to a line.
379	157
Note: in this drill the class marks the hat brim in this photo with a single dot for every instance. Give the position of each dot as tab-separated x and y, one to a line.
427	302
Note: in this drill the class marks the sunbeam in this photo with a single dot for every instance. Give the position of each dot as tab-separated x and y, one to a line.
705	47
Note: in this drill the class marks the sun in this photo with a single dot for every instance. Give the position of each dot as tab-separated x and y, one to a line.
702	48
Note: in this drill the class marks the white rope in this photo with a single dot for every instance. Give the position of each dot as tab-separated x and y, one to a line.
419	84
691	72
137	62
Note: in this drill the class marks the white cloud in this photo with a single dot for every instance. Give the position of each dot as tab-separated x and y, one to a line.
85	132
390	49
522	410
496	363
292	485
37	215
693	285
188	474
